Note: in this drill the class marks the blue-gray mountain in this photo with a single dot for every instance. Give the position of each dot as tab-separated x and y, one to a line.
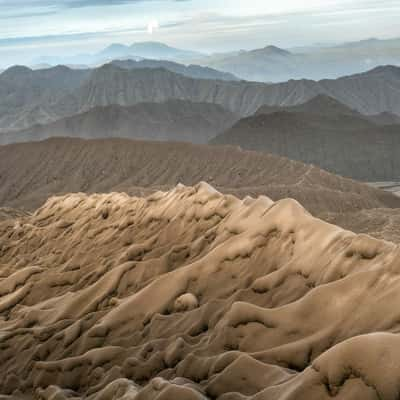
30	97
272	64
326	133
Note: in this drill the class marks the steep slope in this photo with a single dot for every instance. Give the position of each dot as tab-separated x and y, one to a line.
174	120
374	92
191	71
112	85
347	145
370	93
71	165
328	106
27	96
191	294
320	104
7	213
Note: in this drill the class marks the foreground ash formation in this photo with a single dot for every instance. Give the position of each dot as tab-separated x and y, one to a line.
191	294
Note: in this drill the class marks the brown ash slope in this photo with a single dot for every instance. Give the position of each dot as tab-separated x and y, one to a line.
7	213
32	172
192	294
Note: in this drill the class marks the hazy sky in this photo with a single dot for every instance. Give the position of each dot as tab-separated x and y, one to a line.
69	26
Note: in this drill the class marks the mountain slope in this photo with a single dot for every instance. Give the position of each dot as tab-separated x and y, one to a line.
271	64
374	92
343	144
159	298
149	50
59	166
370	93
327	106
27	96
320	104
191	71
174	120
7	213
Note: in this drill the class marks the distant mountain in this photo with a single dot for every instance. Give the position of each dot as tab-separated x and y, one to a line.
30	97
324	133
385	118
370	93
136	51
26	96
267	64
174	120
320	104
115	50
327	106
148	50
110	84
271	64
192	71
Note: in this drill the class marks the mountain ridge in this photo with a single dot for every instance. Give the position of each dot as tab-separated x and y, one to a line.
371	93
173	120
326	133
140	167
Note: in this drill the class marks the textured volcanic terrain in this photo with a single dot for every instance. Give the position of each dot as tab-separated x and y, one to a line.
191	294
60	166
9	213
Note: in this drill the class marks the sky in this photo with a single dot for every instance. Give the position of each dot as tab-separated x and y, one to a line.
33	28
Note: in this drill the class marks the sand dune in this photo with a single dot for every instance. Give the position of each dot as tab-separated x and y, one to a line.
191	294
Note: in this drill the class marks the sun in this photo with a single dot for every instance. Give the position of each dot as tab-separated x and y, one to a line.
152	26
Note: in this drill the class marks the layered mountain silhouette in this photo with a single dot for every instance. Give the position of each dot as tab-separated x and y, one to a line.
327	106
29	97
320	104
272	64
136	51
325	133
191	71
269	64
174	120
150	50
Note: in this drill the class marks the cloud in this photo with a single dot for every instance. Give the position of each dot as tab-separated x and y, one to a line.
34	4
42	8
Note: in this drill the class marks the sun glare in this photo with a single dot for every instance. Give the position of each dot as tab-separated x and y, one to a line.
152	26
